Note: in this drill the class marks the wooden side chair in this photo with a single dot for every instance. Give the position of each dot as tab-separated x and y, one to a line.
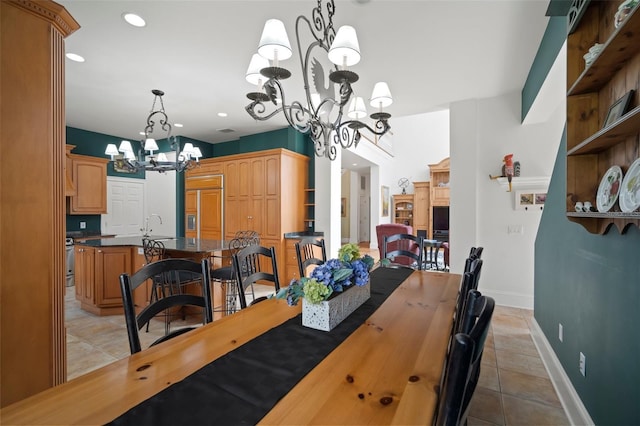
403	250
164	305
306	252
255	264
226	275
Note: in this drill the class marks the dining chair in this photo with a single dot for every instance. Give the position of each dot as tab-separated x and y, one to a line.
452	393
476	252
306	250
164	284
225	275
476	320
456	393
168	303
403	250
474	266
255	264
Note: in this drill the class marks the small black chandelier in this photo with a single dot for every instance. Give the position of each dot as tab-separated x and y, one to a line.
127	159
317	115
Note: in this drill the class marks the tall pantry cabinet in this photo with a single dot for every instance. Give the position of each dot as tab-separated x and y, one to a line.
263	191
32	211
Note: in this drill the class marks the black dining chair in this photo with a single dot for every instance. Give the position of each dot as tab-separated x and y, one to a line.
476	252
164	284
403	250
167	304
307	251
225	275
476	320
255	264
452	393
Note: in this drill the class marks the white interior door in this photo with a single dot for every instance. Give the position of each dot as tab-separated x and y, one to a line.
125	207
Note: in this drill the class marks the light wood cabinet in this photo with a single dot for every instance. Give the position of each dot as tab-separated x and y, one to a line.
98	277
439	178
84	274
421	208
89	177
593	148
264	191
403	209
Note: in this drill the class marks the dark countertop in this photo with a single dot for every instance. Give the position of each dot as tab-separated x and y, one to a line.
302	234
193	245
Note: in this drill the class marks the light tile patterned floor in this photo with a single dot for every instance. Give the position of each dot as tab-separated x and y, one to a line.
514	387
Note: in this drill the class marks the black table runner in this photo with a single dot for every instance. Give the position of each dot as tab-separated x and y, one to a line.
242	386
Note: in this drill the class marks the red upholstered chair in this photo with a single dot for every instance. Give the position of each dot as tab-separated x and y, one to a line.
387	229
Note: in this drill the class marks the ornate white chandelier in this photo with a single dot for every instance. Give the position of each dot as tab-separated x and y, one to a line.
322	113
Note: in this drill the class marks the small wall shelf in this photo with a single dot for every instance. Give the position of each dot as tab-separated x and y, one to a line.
521	182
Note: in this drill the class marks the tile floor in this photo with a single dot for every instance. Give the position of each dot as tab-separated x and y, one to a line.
514	388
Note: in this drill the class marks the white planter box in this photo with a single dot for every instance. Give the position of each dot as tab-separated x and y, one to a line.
329	313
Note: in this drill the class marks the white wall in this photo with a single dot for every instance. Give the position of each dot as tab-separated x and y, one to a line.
482	132
418	140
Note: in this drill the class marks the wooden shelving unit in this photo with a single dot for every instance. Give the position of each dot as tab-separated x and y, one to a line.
592	149
403	209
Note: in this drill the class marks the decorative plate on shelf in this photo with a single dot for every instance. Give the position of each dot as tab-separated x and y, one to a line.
630	190
609	189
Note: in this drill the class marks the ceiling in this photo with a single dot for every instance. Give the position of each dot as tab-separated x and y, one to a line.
431	53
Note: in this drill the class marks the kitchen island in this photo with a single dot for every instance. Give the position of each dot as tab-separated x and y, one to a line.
99	263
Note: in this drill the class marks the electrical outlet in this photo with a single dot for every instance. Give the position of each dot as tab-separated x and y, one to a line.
560	335
583	364
83	225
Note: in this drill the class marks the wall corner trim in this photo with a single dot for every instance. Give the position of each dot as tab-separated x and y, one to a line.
569	398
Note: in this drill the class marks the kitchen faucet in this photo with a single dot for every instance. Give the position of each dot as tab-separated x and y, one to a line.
146	229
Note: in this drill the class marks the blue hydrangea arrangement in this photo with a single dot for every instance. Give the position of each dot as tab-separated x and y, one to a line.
333	276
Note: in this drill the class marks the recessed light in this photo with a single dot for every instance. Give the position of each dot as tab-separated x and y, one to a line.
133	19
178	124
74	57
222	114
354	164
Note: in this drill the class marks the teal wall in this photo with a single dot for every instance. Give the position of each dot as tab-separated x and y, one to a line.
94	144
588	283
591	285
551	43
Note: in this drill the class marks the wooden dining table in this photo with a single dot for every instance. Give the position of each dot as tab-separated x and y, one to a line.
387	371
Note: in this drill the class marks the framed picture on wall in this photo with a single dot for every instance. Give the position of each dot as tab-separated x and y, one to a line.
343	207
385	201
530	199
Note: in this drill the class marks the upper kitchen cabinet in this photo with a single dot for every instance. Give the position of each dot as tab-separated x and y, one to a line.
603	137
89	177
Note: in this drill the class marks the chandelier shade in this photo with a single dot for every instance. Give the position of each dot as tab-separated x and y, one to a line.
185	159
381	95
345	50
357	109
253	75
324	111
274	43
112	150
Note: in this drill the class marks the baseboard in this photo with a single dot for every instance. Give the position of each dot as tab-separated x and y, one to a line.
571	402
514	300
